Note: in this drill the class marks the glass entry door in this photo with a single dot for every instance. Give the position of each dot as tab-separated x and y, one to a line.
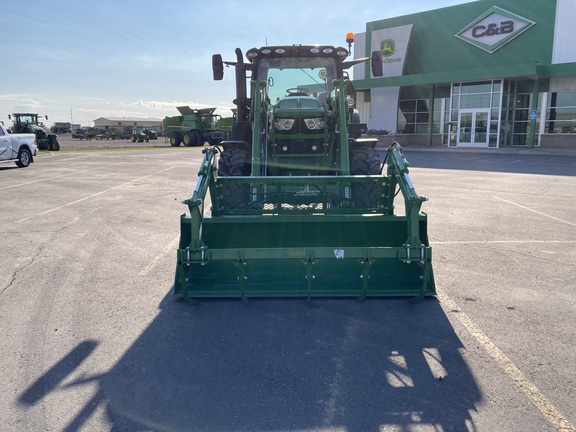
473	128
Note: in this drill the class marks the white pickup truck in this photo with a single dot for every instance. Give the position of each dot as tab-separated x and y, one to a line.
18	148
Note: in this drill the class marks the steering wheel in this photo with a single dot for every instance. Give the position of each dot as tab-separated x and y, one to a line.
298	92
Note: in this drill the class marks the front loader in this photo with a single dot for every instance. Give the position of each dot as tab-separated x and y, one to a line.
298	203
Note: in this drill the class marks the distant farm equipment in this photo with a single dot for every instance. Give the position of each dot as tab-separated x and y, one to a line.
28	123
194	127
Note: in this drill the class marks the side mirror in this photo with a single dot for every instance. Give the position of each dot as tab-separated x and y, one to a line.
217	67
377	63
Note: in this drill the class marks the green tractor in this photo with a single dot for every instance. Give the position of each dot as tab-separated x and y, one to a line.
28	123
193	127
139	135
301	205
151	133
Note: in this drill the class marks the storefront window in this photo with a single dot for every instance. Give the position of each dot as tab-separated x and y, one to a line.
517	104
561	113
414	116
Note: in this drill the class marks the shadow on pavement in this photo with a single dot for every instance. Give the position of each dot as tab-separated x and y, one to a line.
283	364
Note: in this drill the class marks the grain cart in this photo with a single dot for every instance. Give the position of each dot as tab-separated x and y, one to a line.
299	205
194	127
28	123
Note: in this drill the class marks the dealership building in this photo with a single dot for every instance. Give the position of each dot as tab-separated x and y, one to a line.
491	74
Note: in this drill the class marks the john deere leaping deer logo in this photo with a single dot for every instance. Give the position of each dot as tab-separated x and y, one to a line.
388	47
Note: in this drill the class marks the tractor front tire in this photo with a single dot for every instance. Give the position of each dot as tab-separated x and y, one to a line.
366	161
232	163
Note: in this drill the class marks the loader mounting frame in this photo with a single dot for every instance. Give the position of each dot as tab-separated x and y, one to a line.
304	236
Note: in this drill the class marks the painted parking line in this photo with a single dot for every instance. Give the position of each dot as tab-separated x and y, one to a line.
42	180
480	242
91	196
554	416
536	211
168	249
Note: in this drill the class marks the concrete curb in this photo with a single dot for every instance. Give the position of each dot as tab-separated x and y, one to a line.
513	150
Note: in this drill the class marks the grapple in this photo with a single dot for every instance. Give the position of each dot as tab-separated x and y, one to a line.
304	236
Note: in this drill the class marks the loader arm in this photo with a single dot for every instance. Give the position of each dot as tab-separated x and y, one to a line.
416	248
303	236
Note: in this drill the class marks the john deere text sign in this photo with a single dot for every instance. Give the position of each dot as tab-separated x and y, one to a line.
393	43
494	29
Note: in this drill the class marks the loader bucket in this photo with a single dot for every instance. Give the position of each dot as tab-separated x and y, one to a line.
303	237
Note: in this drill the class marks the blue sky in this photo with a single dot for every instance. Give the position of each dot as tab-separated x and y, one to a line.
126	58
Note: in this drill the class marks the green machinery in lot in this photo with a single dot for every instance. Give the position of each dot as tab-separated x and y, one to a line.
194	127
139	135
300	206
28	123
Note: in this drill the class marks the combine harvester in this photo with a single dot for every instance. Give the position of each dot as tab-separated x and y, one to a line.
300	206
193	127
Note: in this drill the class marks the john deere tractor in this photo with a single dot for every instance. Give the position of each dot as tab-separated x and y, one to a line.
300	203
139	135
28	123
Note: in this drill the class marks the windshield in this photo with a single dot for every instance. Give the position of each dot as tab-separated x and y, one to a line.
210	121
28	119
312	76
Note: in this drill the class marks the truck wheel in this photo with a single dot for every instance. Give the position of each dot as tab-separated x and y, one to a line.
24	158
175	140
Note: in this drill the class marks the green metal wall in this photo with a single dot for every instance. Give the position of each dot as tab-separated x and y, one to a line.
436	55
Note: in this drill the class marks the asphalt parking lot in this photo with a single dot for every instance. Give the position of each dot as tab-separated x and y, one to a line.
93	341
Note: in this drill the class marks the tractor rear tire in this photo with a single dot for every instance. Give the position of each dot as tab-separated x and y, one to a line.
55	143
